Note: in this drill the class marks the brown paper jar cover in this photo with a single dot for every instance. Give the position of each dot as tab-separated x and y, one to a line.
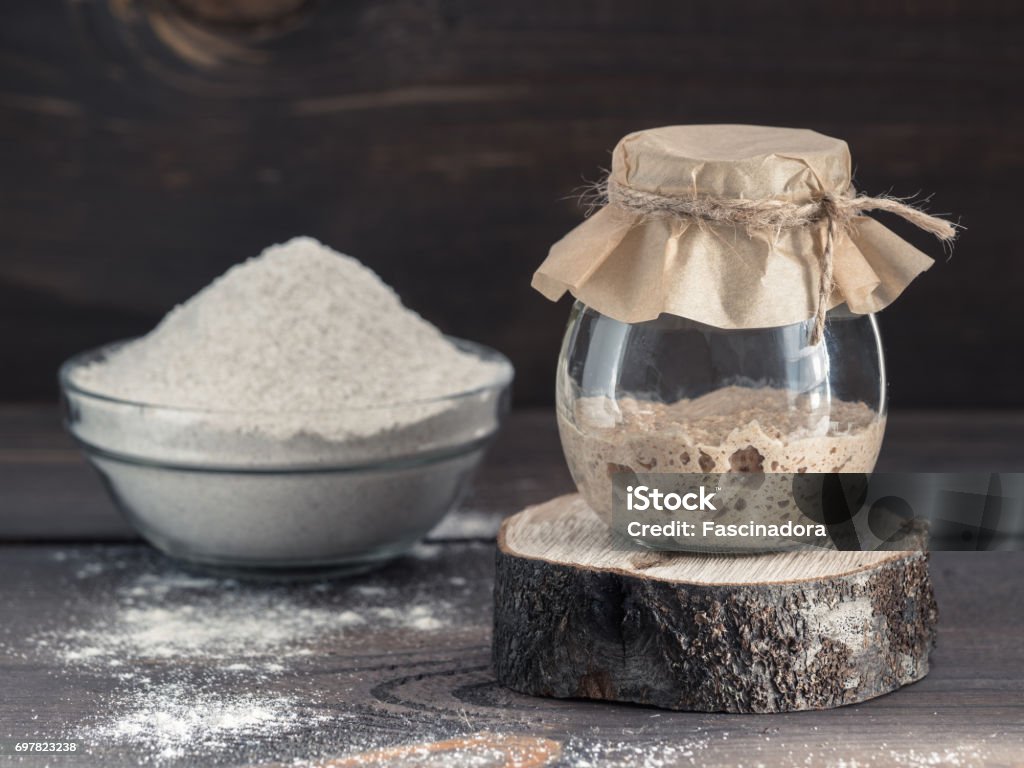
633	267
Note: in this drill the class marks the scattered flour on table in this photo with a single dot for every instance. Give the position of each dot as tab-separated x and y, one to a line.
685	750
527	747
172	720
962	756
184	617
197	667
298	328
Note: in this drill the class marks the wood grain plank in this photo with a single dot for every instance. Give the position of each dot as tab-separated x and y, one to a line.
358	687
149	146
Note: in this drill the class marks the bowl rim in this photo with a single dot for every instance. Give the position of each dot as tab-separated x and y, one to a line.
500	383
403	462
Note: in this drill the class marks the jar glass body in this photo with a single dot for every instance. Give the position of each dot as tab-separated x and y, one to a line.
673	395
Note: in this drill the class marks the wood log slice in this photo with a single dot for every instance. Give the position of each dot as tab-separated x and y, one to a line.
578	615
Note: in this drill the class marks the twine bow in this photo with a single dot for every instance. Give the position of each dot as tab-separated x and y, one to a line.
770	214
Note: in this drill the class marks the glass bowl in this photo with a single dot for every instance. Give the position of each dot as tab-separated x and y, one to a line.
251	491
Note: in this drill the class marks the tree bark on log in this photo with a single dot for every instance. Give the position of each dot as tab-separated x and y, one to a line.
578	616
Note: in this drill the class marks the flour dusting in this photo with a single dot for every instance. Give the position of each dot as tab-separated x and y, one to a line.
172	721
175	617
186	668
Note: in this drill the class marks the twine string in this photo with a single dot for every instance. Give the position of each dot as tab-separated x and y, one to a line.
771	214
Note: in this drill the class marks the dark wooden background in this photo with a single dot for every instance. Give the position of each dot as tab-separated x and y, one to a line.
146	146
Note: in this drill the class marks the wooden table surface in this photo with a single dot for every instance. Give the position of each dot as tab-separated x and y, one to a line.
106	642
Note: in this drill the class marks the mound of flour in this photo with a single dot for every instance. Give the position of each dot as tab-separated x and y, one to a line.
300	355
298	328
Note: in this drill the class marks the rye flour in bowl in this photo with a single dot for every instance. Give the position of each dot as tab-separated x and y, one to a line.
291	414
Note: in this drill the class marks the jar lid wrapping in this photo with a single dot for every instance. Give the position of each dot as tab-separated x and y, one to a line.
632	265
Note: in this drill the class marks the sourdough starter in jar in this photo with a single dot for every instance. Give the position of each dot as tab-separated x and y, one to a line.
733	429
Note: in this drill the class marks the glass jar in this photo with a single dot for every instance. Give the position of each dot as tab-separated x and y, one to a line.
673	395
